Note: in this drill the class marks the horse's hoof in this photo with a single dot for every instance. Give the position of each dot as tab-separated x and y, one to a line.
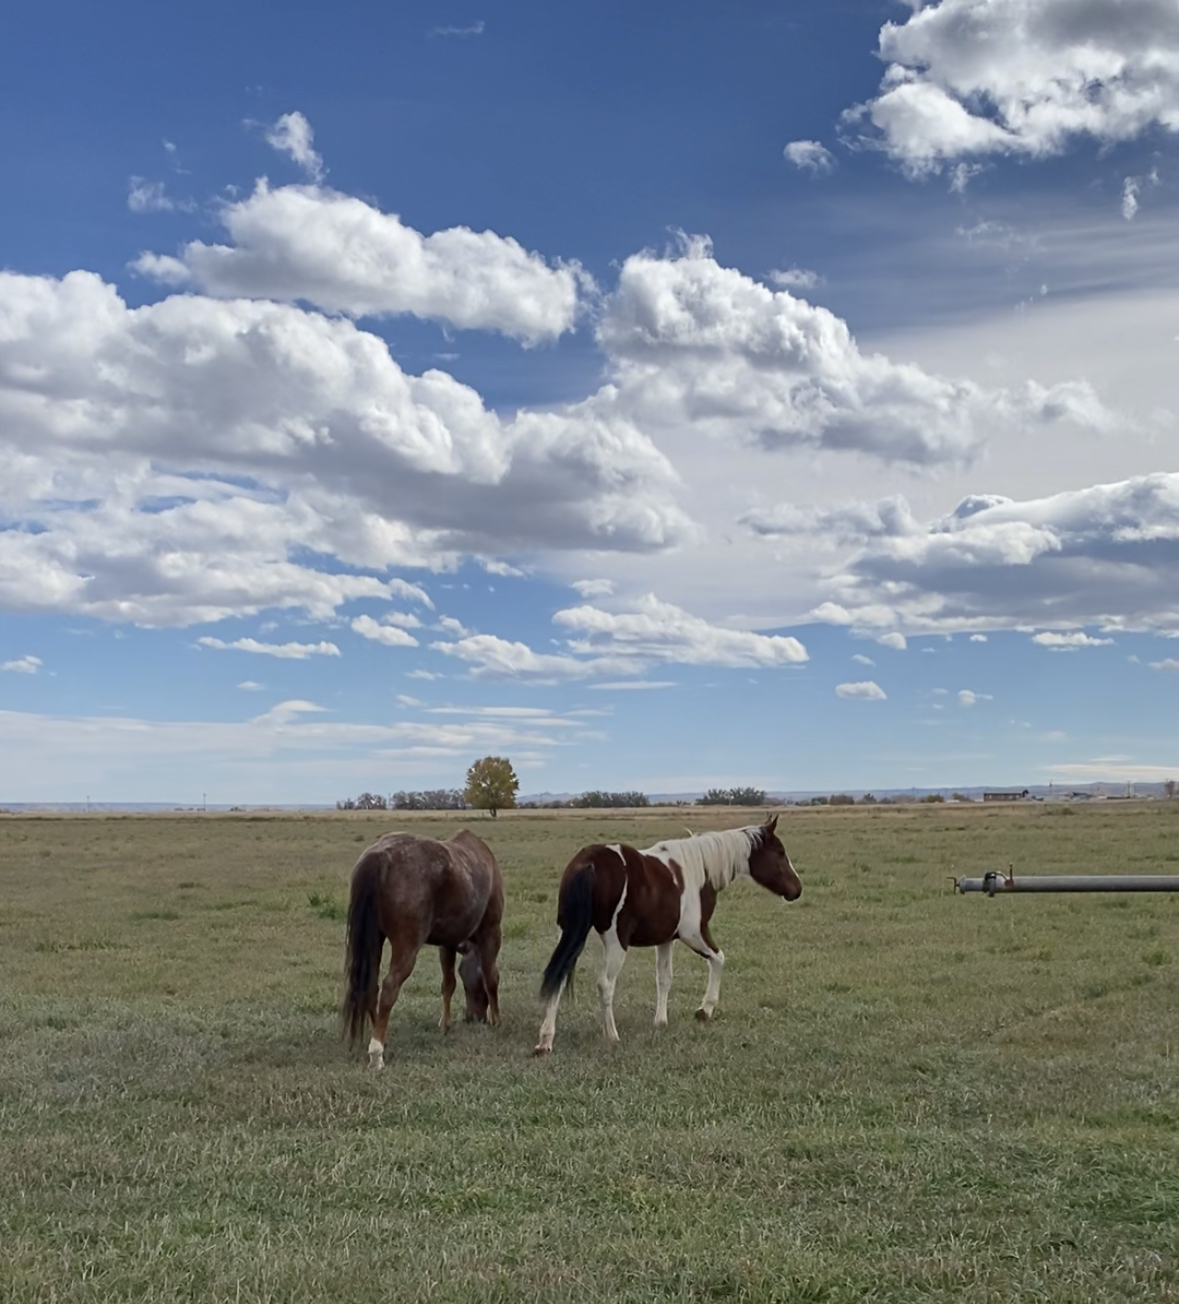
702	1016
542	1049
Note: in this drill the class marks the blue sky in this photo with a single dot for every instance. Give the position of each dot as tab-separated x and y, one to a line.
661	396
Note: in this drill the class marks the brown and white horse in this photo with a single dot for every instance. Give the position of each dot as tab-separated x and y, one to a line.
418	892
650	898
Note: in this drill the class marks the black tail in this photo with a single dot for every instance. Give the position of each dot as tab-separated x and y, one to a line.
575	914
362	953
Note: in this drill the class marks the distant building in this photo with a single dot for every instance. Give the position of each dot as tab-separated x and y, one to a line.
1005	796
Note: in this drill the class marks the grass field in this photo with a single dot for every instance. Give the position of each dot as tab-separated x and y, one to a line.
905	1095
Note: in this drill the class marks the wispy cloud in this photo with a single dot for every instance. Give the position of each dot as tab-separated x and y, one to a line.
292	135
287	651
471	29
26	665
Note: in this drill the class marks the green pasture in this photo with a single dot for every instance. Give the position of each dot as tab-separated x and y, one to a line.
905	1095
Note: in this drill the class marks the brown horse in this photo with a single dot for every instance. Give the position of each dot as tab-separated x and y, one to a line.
649	898
418	892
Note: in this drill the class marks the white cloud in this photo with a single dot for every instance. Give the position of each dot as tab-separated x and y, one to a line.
609	643
660	631
966	697
1068	642
149	197
455	628
862	660
251	686
471	29
1100	556
493	657
188	460
593	588
292	135
342	254
1131	189
894	640
392	635
1169	663
295	748
795	278
809	155
1023	77
865	691
978	638
694	343
26	665
627	685
285	651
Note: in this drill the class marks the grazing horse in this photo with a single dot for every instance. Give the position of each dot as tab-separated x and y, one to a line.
418	892
649	898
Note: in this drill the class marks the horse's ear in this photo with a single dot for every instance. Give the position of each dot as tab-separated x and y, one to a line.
771	824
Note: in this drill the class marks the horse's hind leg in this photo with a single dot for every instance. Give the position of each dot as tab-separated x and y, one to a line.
486	944
400	967
447	955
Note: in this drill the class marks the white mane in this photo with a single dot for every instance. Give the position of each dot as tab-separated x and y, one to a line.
713	858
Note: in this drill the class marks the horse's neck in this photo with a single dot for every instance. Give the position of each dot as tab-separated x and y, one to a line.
712	861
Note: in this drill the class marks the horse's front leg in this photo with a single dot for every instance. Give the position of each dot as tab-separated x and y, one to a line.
447	955
701	942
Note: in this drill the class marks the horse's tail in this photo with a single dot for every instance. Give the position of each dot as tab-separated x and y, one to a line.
575	914
362	952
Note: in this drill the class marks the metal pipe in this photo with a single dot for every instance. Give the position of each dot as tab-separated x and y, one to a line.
994	881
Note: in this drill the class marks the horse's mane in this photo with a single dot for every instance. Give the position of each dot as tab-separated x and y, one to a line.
713	858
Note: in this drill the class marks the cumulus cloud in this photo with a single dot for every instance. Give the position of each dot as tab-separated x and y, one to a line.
624	644
695	343
1168	663
970	78
26	665
967	697
660	631
594	588
188	460
491	657
865	691
978	638
1101	556
1068	642
894	640
285	651
389	634
292	135
318	246
809	156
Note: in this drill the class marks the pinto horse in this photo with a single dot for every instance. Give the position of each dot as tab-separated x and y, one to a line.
649	898
418	892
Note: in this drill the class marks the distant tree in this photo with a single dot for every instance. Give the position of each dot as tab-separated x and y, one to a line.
747	796
347	804
732	797
932	798
841	799
598	799
371	801
491	785
432	799
868	800
960	796
1169	787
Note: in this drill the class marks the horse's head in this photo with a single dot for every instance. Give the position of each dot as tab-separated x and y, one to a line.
769	864
471	972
